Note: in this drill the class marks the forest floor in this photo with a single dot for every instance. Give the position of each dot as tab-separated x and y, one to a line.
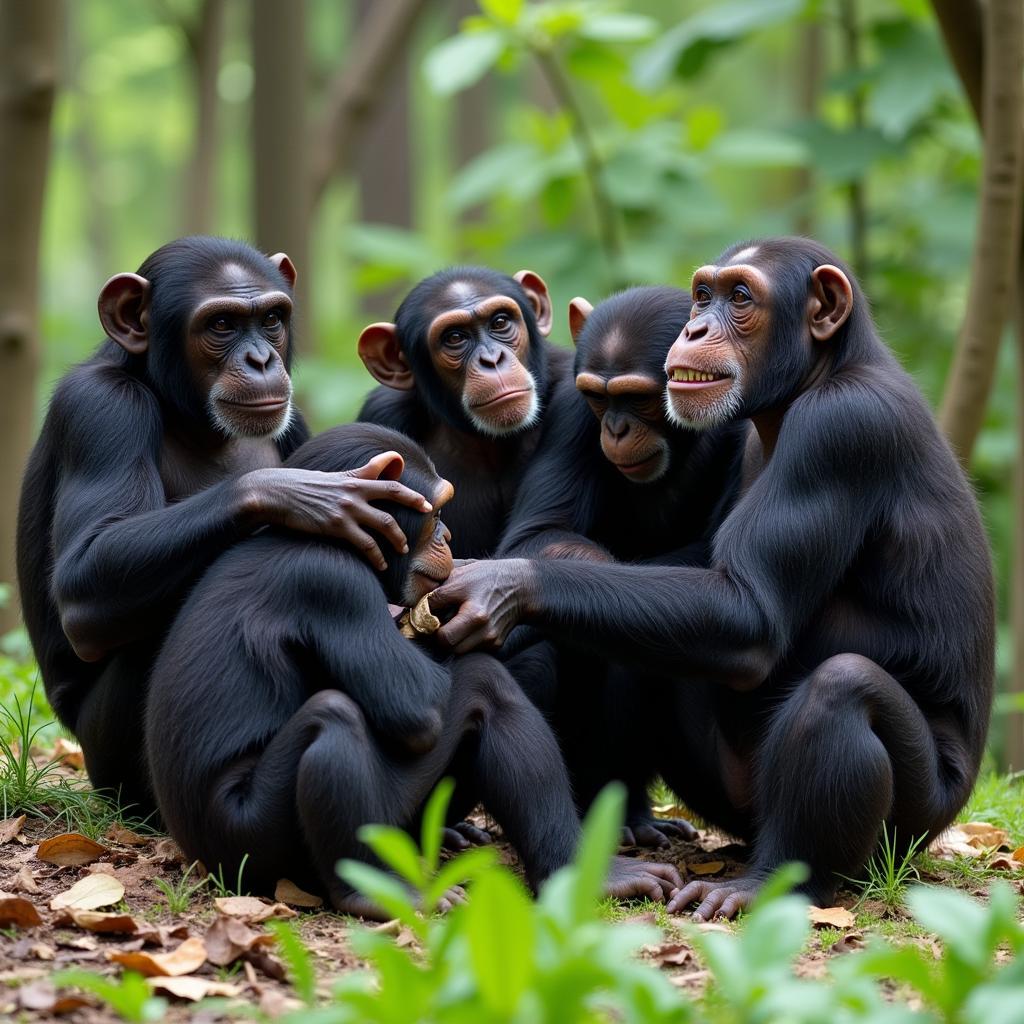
81	892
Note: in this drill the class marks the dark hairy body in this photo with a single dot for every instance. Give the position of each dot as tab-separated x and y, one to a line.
832	666
441	352
346	721
157	454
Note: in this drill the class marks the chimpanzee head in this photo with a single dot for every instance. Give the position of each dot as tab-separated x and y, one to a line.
429	560
621	346
768	317
469	341
208	322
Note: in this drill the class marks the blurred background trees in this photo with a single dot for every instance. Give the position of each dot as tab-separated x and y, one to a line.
598	143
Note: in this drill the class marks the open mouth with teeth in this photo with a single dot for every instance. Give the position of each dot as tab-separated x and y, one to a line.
685	377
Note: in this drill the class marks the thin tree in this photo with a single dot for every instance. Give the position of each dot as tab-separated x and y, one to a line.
29	41
971	39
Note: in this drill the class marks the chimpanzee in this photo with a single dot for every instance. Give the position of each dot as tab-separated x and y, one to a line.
157	454
833	666
466	371
286	709
613	468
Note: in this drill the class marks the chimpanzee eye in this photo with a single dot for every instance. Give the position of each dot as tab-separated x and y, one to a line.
500	322
272	319
220	325
740	295
453	338
702	293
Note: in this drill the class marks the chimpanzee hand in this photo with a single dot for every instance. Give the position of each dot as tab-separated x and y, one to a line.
491	596
647	830
723	899
334	504
629	878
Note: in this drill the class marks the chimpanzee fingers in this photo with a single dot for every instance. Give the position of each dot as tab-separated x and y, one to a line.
364	544
711	906
667	873
676	827
391	490
382	522
648	835
477	836
687	894
451	839
734	904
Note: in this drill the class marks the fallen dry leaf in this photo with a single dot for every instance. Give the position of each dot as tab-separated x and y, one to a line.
168	852
25	881
831	917
10	827
288	892
252	909
17	911
953	842
70	849
228	938
90	893
125	836
41	995
1018	854
1004	863
193	989
672	954
68	752
188	957
983	835
98	921
707	867
848	943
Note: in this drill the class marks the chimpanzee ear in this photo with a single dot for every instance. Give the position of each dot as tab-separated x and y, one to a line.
287	268
537	292
831	301
579	310
382	356
124	312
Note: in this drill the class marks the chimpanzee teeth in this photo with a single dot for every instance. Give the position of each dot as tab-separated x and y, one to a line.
695	376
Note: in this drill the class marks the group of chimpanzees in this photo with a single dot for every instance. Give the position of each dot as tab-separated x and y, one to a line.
728	546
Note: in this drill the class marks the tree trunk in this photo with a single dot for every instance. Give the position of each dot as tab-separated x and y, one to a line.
205	40
374	56
29	43
1014	745
961	25
810	70
279	141
997	244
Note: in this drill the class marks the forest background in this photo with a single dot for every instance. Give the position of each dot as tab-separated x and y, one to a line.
599	144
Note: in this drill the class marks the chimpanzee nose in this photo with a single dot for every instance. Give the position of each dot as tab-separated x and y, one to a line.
618	428
694	330
492	357
258	358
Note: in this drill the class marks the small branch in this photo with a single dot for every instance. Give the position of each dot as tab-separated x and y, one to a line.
961	24
604	208
357	87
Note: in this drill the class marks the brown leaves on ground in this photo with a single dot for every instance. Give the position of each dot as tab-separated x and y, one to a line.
252	909
70	849
977	840
831	917
188	957
90	893
10	827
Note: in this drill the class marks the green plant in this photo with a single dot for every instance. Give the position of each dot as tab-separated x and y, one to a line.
179	894
130	997
889	871
220	885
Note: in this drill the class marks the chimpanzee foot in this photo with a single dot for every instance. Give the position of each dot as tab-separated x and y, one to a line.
358	905
628	879
647	830
464	835
716	899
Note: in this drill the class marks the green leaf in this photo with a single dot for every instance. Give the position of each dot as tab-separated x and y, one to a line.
759	148
396	849
501	932
685	48
598	843
465	867
432	826
462	60
384	889
843	156
507	12
300	962
618	28
130	997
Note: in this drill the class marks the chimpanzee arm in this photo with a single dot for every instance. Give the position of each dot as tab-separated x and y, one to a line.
559	496
781	551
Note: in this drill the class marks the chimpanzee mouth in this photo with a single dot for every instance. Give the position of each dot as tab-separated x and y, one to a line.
267	404
685	378
505	396
646	470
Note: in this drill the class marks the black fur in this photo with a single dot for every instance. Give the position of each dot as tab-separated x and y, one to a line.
485	470
102	551
833	666
340	709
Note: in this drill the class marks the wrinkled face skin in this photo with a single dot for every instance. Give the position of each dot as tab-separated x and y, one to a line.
721	345
480	346
431	562
631	410
238	337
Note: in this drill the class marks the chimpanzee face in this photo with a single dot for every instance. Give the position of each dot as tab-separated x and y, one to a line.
469	342
431	559
237	343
